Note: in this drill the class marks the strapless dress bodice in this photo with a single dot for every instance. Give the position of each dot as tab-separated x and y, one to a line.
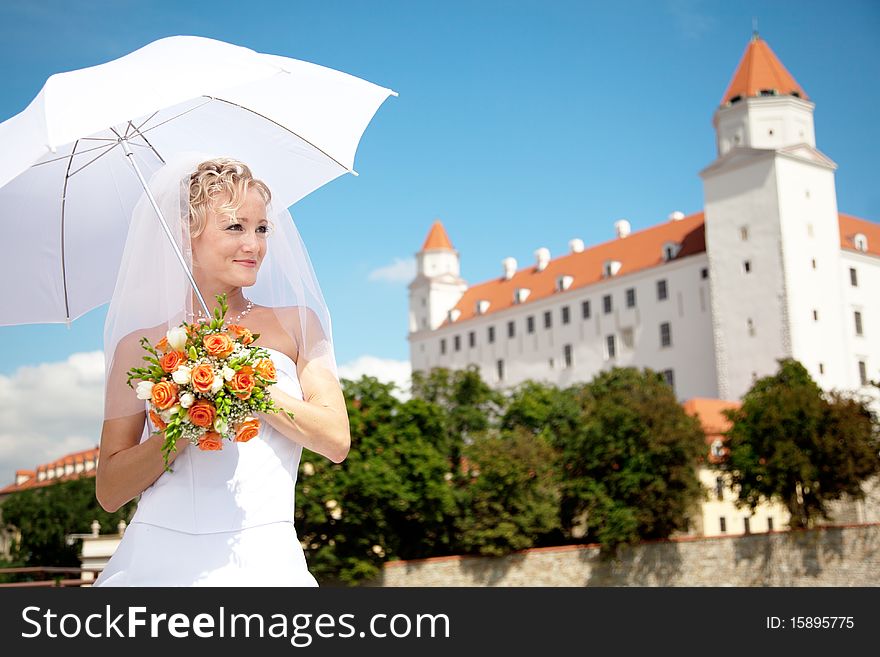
242	485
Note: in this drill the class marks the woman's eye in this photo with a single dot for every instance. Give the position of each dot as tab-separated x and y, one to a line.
235	226
263	229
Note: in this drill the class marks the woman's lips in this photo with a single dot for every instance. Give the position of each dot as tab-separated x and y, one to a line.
247	263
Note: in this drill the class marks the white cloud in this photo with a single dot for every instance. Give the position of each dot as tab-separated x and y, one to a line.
690	18
49	410
402	270
385	369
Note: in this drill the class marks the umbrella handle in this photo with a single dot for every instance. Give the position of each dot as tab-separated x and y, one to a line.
128	153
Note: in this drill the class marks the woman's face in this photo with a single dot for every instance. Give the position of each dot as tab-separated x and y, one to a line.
230	251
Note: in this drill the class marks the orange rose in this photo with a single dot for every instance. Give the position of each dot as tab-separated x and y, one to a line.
240	333
162	345
157	421
266	369
202	413
218	344
164	394
202	377
211	441
171	360
247	430
243	382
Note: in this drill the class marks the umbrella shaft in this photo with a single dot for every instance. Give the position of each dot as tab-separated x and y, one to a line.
128	152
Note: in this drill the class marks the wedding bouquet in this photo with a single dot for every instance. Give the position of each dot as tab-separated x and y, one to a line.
205	383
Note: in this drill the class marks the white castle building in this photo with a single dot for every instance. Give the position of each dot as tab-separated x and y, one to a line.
768	269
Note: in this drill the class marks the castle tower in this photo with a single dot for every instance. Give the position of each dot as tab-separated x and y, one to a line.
437	286
772	234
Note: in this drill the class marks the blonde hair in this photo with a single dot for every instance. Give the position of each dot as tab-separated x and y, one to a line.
217	177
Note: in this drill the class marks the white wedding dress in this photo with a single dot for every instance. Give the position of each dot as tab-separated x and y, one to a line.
221	518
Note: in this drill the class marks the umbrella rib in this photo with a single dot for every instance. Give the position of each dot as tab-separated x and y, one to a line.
83	152
191	109
63	210
94	159
137	132
247	109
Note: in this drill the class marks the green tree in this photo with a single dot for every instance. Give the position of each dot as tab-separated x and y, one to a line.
512	498
791	442
391	497
46	515
631	466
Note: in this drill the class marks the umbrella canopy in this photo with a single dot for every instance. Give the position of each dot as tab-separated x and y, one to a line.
67	184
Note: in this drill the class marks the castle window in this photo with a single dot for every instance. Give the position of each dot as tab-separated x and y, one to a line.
499	369
815	315
665	335
610	346
821	368
746	527
814	263
704	273
719	488
491	333
442	346
751	326
585	309
457	342
744	233
606	303
770	520
631	297
853	277
858	319
669	377
863	373
472	339
530	323
511	329
722	521
565	315
747	266
567	355
662	291
548	319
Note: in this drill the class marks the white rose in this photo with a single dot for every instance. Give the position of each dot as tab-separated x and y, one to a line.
187	399
220	425
176	338
218	383
145	390
182	375
166	414
228	373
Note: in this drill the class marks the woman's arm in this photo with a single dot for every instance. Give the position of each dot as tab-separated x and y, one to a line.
320	420
125	466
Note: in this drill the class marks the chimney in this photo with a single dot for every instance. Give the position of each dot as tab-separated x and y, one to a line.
543	257
509	265
676	216
576	245
622	228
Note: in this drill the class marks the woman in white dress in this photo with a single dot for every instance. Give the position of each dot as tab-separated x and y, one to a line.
220	517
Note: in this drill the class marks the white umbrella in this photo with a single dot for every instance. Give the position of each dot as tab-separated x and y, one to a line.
75	161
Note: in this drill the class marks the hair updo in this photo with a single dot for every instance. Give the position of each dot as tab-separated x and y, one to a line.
218	177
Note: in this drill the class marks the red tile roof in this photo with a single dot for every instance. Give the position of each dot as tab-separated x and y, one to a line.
637	251
437	238
850	226
760	69
68	459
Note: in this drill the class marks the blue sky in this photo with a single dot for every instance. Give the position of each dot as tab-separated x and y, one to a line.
519	124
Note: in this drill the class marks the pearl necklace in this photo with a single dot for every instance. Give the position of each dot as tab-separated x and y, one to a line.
227	322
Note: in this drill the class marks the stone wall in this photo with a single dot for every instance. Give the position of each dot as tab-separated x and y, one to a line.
842	555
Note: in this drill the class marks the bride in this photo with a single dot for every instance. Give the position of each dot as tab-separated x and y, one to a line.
219	517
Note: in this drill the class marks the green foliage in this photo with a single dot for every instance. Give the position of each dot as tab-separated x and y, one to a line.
792	443
46	515
630	465
513	496
395	499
